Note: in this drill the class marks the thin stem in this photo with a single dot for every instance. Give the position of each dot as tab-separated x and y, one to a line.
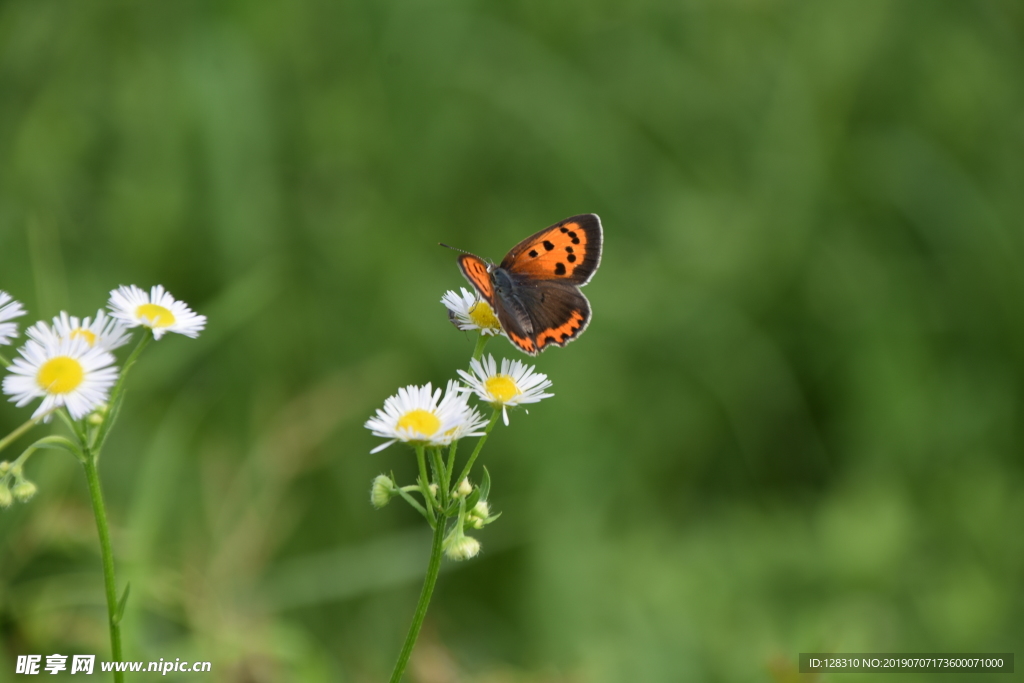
4	362
117	395
421	607
428	495
479	445
481	342
73	425
451	464
441	475
106	550
13	436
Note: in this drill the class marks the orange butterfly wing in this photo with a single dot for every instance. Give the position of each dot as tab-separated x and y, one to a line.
475	270
541	303
569	251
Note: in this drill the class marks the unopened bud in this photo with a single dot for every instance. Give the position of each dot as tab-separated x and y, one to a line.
5	467
462	548
24	490
5	496
464	489
381	491
97	416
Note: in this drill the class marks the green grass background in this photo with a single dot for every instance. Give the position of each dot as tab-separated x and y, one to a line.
793	425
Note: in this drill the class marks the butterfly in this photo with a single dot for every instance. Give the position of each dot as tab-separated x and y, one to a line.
535	291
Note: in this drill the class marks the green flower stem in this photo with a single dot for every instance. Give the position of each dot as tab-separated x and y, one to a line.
117	395
404	493
479	445
106	550
481	342
451	464
74	426
421	608
428	495
13	436
441	474
56	442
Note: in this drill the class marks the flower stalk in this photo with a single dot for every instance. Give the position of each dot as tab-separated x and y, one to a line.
106	550
420	418
433	567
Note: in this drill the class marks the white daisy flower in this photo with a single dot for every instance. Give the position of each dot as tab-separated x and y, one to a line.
104	332
157	310
469	312
64	372
419	415
9	309
514	385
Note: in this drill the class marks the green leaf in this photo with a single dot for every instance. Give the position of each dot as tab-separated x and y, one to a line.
485	485
473	498
122	602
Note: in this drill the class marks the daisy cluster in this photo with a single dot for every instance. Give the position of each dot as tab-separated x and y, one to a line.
428	419
418	415
69	363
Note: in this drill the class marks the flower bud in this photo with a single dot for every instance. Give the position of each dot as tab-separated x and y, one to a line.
24	490
477	517
5	467
5	495
381	491
462	548
97	416
464	488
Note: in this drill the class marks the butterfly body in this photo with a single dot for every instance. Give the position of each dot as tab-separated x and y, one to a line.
535	290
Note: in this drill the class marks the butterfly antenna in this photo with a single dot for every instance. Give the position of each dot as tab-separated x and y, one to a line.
463	251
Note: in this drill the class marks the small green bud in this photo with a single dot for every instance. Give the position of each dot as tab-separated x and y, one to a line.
464	488
24	490
480	516
97	416
462	548
5	467
5	495
381	491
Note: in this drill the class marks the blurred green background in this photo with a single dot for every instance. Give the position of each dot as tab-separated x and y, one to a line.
793	425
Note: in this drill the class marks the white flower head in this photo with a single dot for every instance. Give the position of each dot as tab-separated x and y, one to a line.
9	309
419	415
64	372
515	384
469	312
157	310
104	332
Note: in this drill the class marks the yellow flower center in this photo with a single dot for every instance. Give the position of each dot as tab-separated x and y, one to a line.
155	316
502	388
421	421
60	375
483	317
82	333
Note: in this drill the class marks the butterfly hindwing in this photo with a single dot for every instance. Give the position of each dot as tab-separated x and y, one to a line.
569	251
558	311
